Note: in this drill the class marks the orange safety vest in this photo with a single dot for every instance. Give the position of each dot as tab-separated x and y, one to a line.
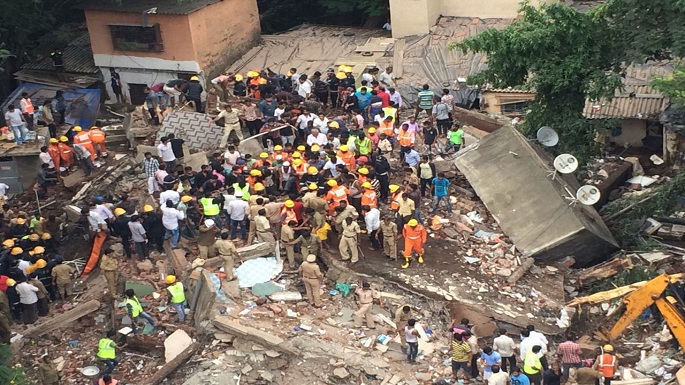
289	215
284	156
82	138
54	152
605	364
362	178
258	164
338	194
369	198
65	152
418	232
97	136
386	128
102	382
251	180
404	138
348	158
395	200
301	169
29	105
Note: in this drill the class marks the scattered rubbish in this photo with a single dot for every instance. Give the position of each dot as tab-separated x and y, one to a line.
125	330
90	371
305	327
475	216
472	259
344	288
334	292
266	289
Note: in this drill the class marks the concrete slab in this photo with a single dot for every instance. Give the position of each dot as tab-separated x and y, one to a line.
141	149
251	146
175	344
269	340
195	160
73	178
346	315
140	289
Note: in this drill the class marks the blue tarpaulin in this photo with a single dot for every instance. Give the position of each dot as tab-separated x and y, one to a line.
83	104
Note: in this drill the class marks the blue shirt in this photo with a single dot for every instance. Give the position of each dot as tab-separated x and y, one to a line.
364	100
493	358
521	379
412	158
440	186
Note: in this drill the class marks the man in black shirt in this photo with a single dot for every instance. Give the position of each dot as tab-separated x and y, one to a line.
202	176
193	91
58	63
176	147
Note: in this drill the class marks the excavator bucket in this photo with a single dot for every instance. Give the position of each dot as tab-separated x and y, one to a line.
639	300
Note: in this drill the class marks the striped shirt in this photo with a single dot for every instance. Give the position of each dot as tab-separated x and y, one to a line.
570	352
460	351
150	167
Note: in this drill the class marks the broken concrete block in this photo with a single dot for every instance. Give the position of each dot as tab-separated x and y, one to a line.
341	373
422	376
246	369
145	265
287	296
175	344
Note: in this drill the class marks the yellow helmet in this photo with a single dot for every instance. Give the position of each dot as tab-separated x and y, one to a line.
301	148
54	140
312	170
413	222
38	250
148	209
297	154
363	171
21	221
315	147
194	78
367	185
119	211
344	148
186	198
8	243
333	124
170	279
313	186
608	348
10	282
340	75
30	269
255	172
46	236
63	139
393	188
252	74
16	251
372	130
238	77
41	263
332	182
77	129
34	237
264	155
289	204
278	147
262	81
259	187
297	162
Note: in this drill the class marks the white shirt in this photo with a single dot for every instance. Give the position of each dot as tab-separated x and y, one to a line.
45	158
170	217
303	119
541	337
335	142
228	199
3	190
231	159
372	219
368	77
95	220
304	89
104	211
14	118
27	293
504	345
320	139
238	209
278	112
295	78
165	152
321	124
172	195
387	27
528	343
397	98
409	335
387	79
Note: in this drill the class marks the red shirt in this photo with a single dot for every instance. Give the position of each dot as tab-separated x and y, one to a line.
159	87
299	210
385	98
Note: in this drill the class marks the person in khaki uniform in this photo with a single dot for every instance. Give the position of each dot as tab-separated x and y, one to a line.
343	212
62	276
254	212
312	277
402	315
365	295
348	240
317	203
263	229
287	238
227	253
389	230
47	372
109	265
206	239
309	243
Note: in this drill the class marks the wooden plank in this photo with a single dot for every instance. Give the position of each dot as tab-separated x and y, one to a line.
398	56
174	364
62	320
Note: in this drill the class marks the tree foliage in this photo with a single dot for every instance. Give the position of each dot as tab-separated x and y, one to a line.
10	373
673	86
565	56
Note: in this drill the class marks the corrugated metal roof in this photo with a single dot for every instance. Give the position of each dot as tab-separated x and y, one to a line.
169	7
77	56
508	91
635	102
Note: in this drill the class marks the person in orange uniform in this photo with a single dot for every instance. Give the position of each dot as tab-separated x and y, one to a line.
287	212
607	364
53	150
369	196
395	196
415	236
406	139
81	137
278	150
363	175
66	153
97	136
259	163
300	168
255	176
347	156
335	195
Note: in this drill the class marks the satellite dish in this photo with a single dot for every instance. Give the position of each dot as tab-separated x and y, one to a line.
588	195
565	163
547	136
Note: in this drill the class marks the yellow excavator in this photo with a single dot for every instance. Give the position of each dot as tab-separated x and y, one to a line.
652	293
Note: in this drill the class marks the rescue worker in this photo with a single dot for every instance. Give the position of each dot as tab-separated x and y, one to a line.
313	279
395	195
107	352
415	236
47	371
606	363
389	230
121	229
287	238
287	212
406	140
97	137
62	276
346	156
53	151
44	274
211	208
177	296
402	315
369	196
66	153
109	265
227	252
107	380
348	240
263	229
82	138
255	206
135	310
309	243
336	195
206	240
365	296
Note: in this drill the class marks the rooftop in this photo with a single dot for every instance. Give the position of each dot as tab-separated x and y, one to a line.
77	56
169	7
633	102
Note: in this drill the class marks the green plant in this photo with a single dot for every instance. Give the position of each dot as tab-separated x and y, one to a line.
10	373
673	85
626	277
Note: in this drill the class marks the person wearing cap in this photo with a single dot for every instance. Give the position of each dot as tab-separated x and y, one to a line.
346	156
29	301
193	92
121	229
263	228
82	138
606	363
44	275
177	296
369	197
19	229
287	212
312	176
228	253
109	266
313	279
53	151
335	195
388	228
62	276
231	119
66	153
206	239
97	137
139	235
365	297
312	192
42	293
415	237
287	239
348	245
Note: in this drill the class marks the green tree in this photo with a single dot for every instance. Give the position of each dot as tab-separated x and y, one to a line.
565	56
673	86
10	373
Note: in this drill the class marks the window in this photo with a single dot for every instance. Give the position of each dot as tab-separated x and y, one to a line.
514	107
136	38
